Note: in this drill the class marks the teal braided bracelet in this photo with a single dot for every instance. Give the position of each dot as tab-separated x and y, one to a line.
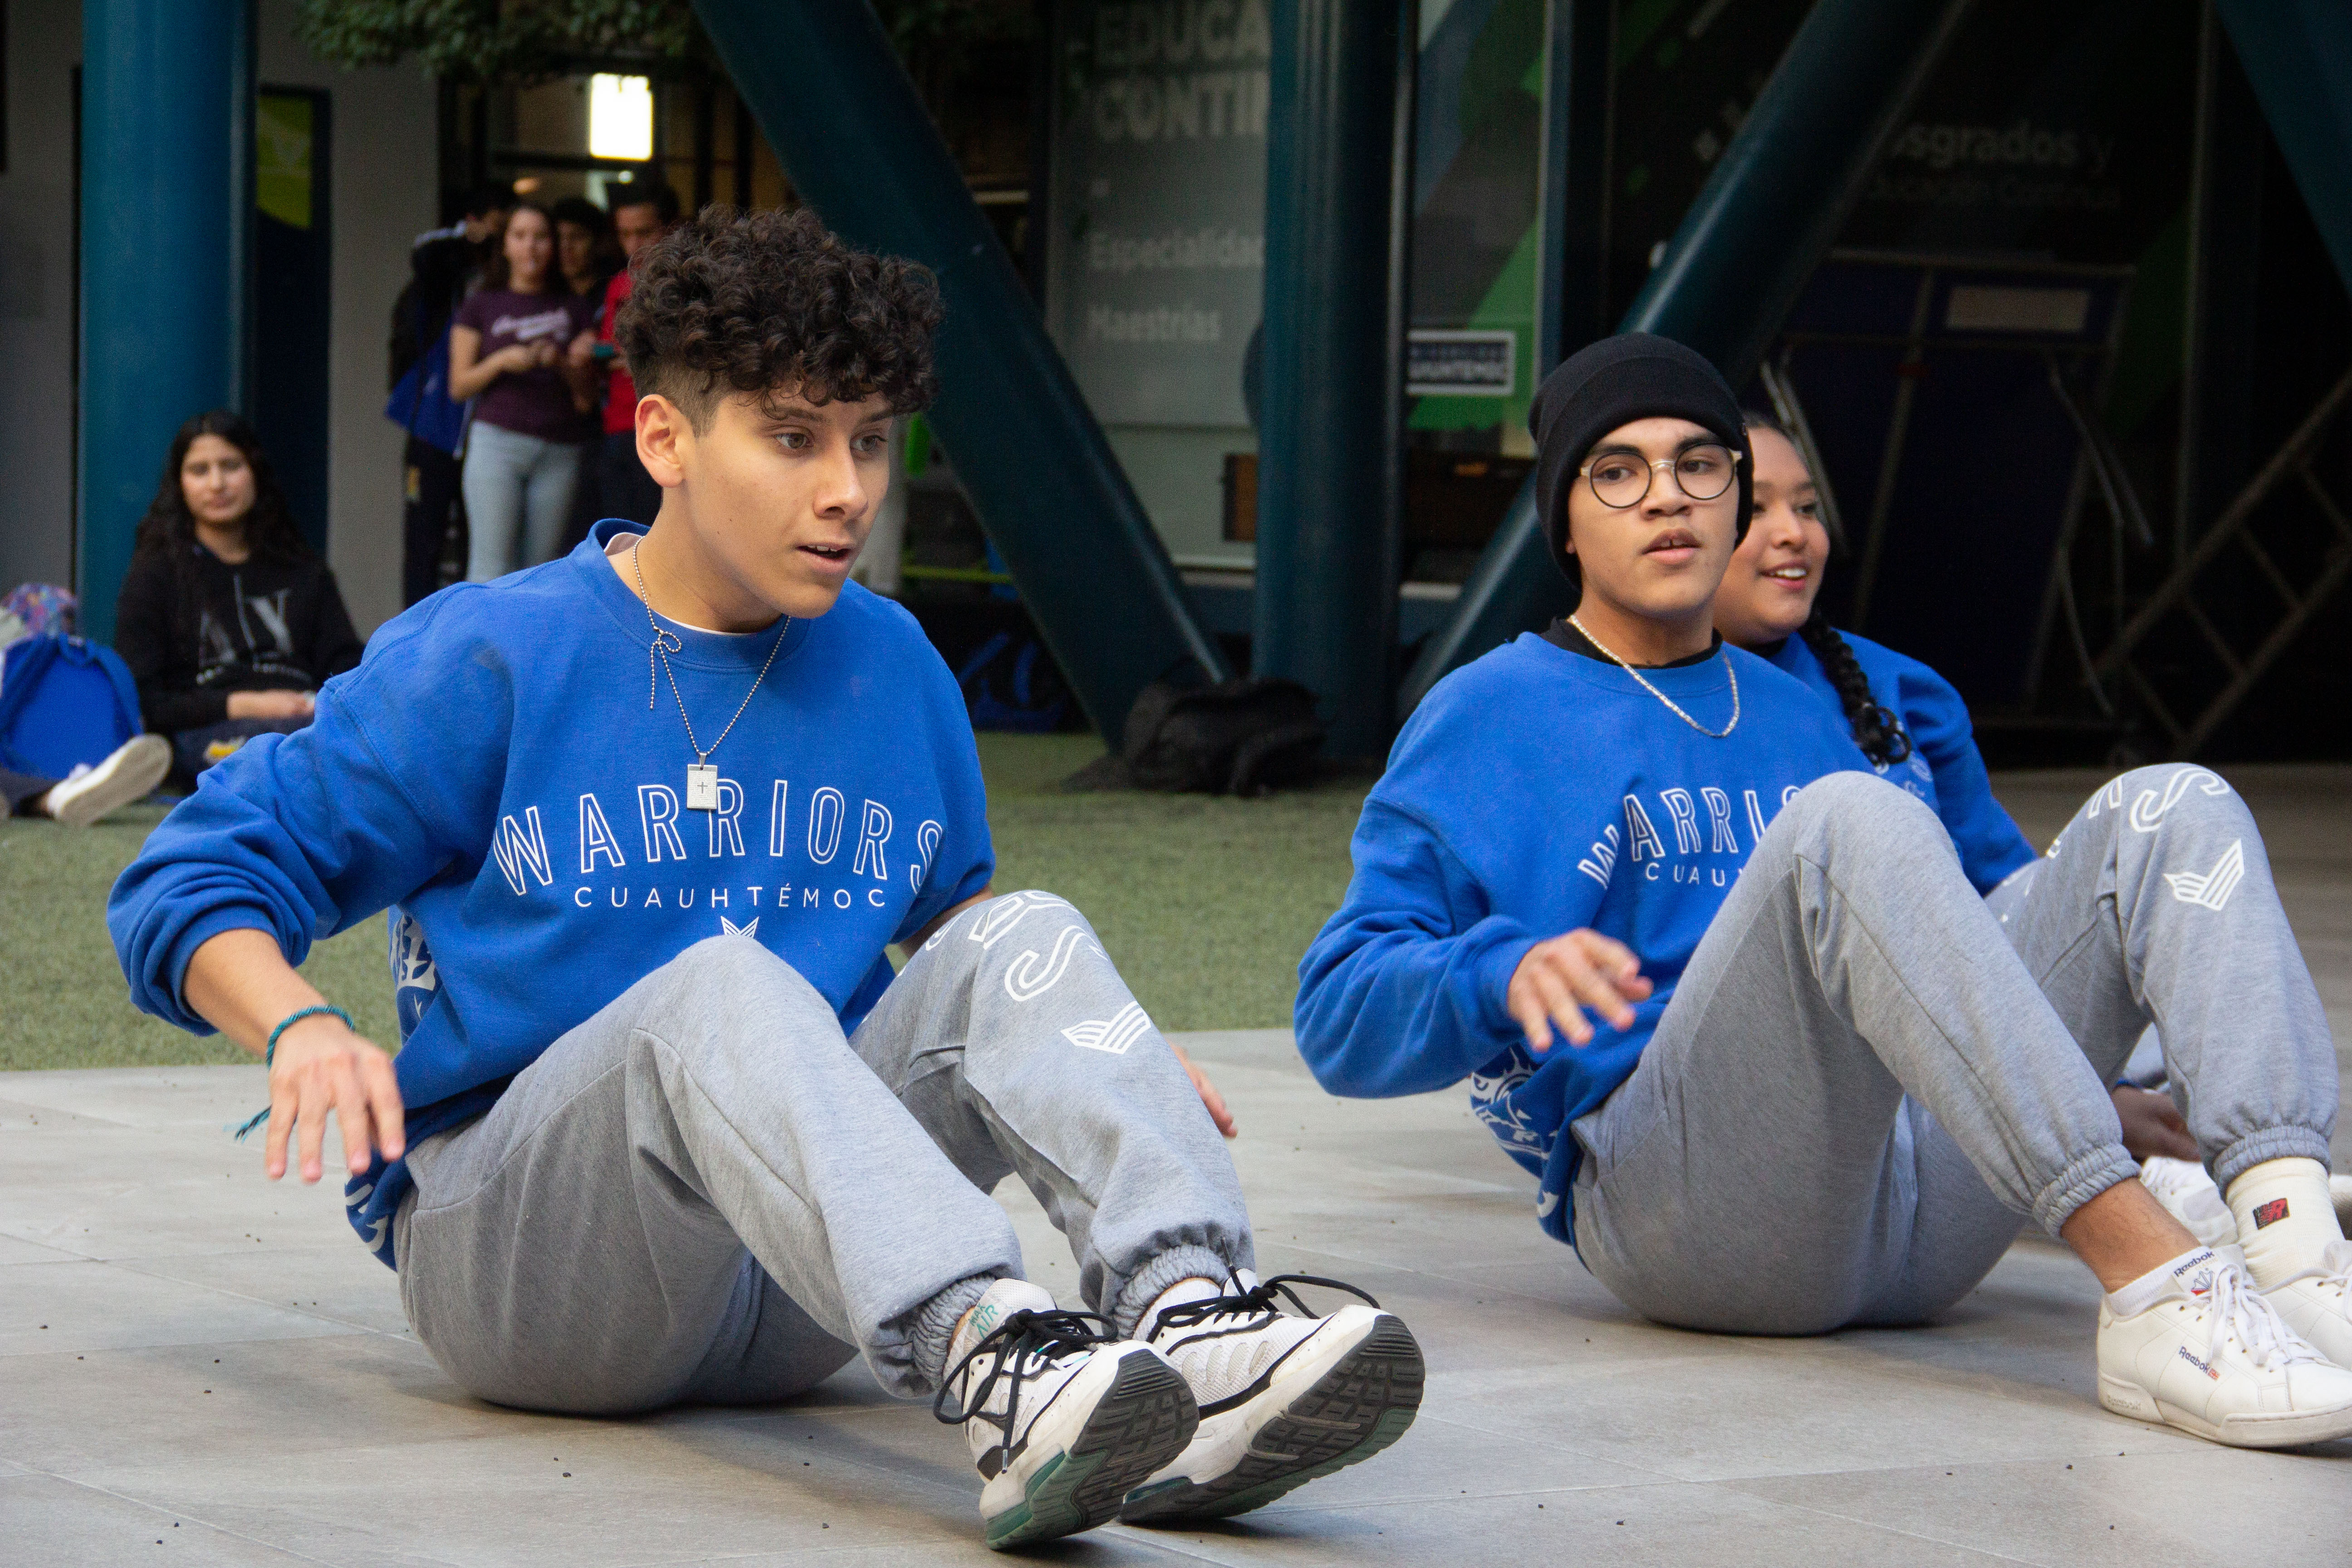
269	1051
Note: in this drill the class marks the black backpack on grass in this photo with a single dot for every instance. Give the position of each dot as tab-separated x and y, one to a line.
1238	737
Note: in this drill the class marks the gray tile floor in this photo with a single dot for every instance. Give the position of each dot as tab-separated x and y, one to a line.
197	1366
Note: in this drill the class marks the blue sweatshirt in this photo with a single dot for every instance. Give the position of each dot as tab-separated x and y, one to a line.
1945	768
492	769
1535	792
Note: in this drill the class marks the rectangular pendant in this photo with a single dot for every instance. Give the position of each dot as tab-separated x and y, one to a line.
702	786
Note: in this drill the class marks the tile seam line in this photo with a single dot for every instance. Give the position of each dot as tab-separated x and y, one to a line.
1910	1534
153	1508
130	1267
1303	1510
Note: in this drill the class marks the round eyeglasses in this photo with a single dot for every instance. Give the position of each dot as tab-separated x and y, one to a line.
1622	479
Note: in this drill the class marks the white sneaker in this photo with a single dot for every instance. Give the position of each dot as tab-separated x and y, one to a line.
2186	1189
1283	1399
129	771
1062	1421
2198	1348
2317	1303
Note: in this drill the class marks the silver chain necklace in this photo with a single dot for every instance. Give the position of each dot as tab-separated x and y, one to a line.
701	775
1710	734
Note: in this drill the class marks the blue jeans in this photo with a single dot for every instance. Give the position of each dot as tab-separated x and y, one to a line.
193	750
518	492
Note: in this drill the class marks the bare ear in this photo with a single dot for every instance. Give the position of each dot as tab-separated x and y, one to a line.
664	440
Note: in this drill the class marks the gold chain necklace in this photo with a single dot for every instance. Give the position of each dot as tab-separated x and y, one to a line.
701	775
1710	734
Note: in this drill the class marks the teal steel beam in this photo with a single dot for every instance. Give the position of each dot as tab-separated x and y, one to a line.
1757	227
1330	472
822	82
2298	55
1572	289
167	107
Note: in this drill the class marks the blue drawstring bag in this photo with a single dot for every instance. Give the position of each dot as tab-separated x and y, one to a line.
421	403
64	702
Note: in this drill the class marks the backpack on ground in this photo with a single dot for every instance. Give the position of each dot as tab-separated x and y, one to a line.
64	702
1238	737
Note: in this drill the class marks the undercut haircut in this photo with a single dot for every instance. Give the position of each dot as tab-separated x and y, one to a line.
772	304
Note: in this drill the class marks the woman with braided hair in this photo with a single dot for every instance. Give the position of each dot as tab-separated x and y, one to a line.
1914	728
1906	718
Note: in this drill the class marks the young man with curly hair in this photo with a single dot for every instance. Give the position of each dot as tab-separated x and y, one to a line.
664	1127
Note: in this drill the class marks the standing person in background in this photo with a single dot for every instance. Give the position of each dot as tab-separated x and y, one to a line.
583	246
445	265
228	621
586	257
507	351
642	213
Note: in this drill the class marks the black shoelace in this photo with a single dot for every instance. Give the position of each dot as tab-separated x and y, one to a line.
1024	1344
1260	1300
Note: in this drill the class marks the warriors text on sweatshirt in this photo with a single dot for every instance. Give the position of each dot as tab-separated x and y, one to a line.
493	770
1534	793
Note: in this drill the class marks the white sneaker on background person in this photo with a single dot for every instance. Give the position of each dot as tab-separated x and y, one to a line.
1062	1420
1284	1397
2186	1189
129	772
2193	1345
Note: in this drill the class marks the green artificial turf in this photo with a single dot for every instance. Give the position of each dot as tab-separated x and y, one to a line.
1205	903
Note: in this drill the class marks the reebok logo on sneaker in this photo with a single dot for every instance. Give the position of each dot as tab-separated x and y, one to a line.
2199	1365
2200	1282
2270	1212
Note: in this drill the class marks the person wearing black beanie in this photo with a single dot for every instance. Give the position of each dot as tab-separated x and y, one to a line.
1731	999
1613	382
1640	437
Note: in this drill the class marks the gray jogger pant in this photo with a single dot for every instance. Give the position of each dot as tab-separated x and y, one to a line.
1859	1091
706	1193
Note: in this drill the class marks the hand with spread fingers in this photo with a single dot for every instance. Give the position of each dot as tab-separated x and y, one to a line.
320	1066
1560	979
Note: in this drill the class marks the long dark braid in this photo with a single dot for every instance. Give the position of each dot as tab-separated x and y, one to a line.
1878	732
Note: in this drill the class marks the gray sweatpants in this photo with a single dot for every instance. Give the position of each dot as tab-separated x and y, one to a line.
706	1193
1859	1091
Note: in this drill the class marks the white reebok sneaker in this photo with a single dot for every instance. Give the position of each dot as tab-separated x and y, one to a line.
129	772
1062	1420
2186	1189
1283	1398
2317	1303
2198	1348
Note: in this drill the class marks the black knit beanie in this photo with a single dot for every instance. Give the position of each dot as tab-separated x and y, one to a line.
1633	375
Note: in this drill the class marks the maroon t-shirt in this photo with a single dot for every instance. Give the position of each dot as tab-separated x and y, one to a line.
534	402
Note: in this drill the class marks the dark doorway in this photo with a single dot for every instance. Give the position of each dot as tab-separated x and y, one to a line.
293	258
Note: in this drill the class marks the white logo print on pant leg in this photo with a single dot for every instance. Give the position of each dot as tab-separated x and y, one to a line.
2211	888
1114	1034
2147	811
1031	977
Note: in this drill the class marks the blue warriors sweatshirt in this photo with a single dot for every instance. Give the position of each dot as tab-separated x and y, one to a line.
1535	792
1945	768
492	772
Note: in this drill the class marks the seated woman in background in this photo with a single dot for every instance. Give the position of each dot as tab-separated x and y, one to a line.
128	774
228	620
1915	729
